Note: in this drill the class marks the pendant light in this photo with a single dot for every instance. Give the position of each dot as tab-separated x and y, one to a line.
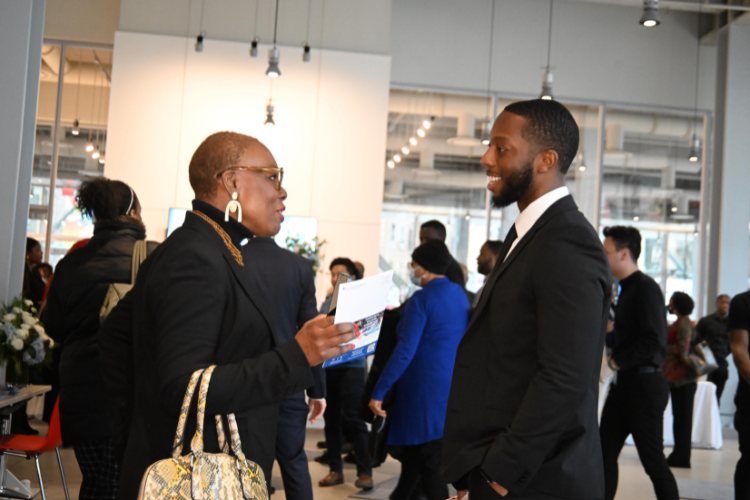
306	46
89	144
548	77
650	17
486	132
274	54
201	33
270	108
695	142
254	42
76	129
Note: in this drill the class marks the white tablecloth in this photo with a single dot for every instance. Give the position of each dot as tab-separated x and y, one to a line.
706	420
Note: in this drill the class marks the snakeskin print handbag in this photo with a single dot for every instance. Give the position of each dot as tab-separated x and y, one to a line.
199	475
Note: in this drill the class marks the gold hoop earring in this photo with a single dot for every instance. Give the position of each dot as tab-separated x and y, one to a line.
233	206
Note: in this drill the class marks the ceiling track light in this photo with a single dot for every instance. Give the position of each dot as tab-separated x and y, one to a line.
306	53
273	62
547	79
420	132
405	150
269	115
391	164
695	147
254	47
650	17
397	158
76	130
427	123
413	141
199	41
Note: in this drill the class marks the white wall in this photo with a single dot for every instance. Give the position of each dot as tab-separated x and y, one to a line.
331	117
598	51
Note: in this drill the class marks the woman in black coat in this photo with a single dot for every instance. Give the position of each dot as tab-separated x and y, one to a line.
71	317
193	306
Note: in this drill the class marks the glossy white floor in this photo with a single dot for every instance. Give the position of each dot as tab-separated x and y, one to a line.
708	465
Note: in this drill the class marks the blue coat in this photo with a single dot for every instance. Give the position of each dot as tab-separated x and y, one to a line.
421	366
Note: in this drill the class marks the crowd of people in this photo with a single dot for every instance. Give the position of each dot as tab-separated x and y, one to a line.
495	392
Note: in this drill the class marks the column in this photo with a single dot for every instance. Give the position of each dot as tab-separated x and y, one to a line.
730	203
21	32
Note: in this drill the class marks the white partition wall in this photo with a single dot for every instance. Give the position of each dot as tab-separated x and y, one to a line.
330	133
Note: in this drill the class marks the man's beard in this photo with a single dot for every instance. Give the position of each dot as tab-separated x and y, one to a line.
485	267
515	187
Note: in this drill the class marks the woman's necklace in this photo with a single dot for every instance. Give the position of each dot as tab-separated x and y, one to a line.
224	236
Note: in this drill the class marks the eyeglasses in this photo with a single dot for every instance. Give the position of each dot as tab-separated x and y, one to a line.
278	173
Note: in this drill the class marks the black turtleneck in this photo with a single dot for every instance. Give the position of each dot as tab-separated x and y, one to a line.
236	231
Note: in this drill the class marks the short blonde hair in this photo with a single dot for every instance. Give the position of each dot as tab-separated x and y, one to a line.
216	153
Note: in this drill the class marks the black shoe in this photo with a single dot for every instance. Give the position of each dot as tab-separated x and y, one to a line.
323	459
21	426
322	445
271	490
350	458
677	464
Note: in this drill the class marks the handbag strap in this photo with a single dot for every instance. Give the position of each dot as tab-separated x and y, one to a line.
179	437
196	445
140	252
223	443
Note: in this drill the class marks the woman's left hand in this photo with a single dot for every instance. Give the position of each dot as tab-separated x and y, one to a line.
377	408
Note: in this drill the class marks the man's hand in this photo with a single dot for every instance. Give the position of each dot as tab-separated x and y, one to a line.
461	494
377	408
320	339
499	489
317	407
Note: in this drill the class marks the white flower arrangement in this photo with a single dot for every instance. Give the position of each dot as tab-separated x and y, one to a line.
23	340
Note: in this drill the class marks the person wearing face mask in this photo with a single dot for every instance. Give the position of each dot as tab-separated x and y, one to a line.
193	306
71	316
420	367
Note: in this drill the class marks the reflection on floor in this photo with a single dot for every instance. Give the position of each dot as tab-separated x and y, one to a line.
708	466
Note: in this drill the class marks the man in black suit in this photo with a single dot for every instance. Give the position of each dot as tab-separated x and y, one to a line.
522	413
286	282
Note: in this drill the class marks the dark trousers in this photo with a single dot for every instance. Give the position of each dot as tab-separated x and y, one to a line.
344	388
636	405
742	424
290	448
100	467
479	489
421	462
682	425
719	378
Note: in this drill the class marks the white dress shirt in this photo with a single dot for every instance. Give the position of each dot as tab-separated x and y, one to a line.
536	209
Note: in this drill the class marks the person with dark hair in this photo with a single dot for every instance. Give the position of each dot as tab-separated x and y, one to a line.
193	306
682	382
345	383
361	268
739	333
522	411
713	329
435	230
287	283
636	402
33	284
486	261
420	368
45	271
71	315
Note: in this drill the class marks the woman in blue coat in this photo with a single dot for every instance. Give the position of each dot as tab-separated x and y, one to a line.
421	367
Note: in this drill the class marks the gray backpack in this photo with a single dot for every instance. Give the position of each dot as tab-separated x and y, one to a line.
118	290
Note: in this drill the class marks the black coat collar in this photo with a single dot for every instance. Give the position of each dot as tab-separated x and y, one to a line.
194	222
562	205
236	231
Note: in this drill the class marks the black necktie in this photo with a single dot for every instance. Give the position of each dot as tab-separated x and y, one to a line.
509	239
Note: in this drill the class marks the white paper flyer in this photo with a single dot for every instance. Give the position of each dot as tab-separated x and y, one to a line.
363	303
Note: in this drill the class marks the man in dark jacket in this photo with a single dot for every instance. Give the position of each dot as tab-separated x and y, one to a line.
286	282
713	329
522	413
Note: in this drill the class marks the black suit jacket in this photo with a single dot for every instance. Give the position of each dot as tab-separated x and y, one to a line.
193	306
286	282
523	402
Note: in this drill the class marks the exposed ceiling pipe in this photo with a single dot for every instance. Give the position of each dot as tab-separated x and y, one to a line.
51	55
465	135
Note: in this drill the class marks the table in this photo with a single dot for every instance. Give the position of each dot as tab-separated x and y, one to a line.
10	486
706	420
